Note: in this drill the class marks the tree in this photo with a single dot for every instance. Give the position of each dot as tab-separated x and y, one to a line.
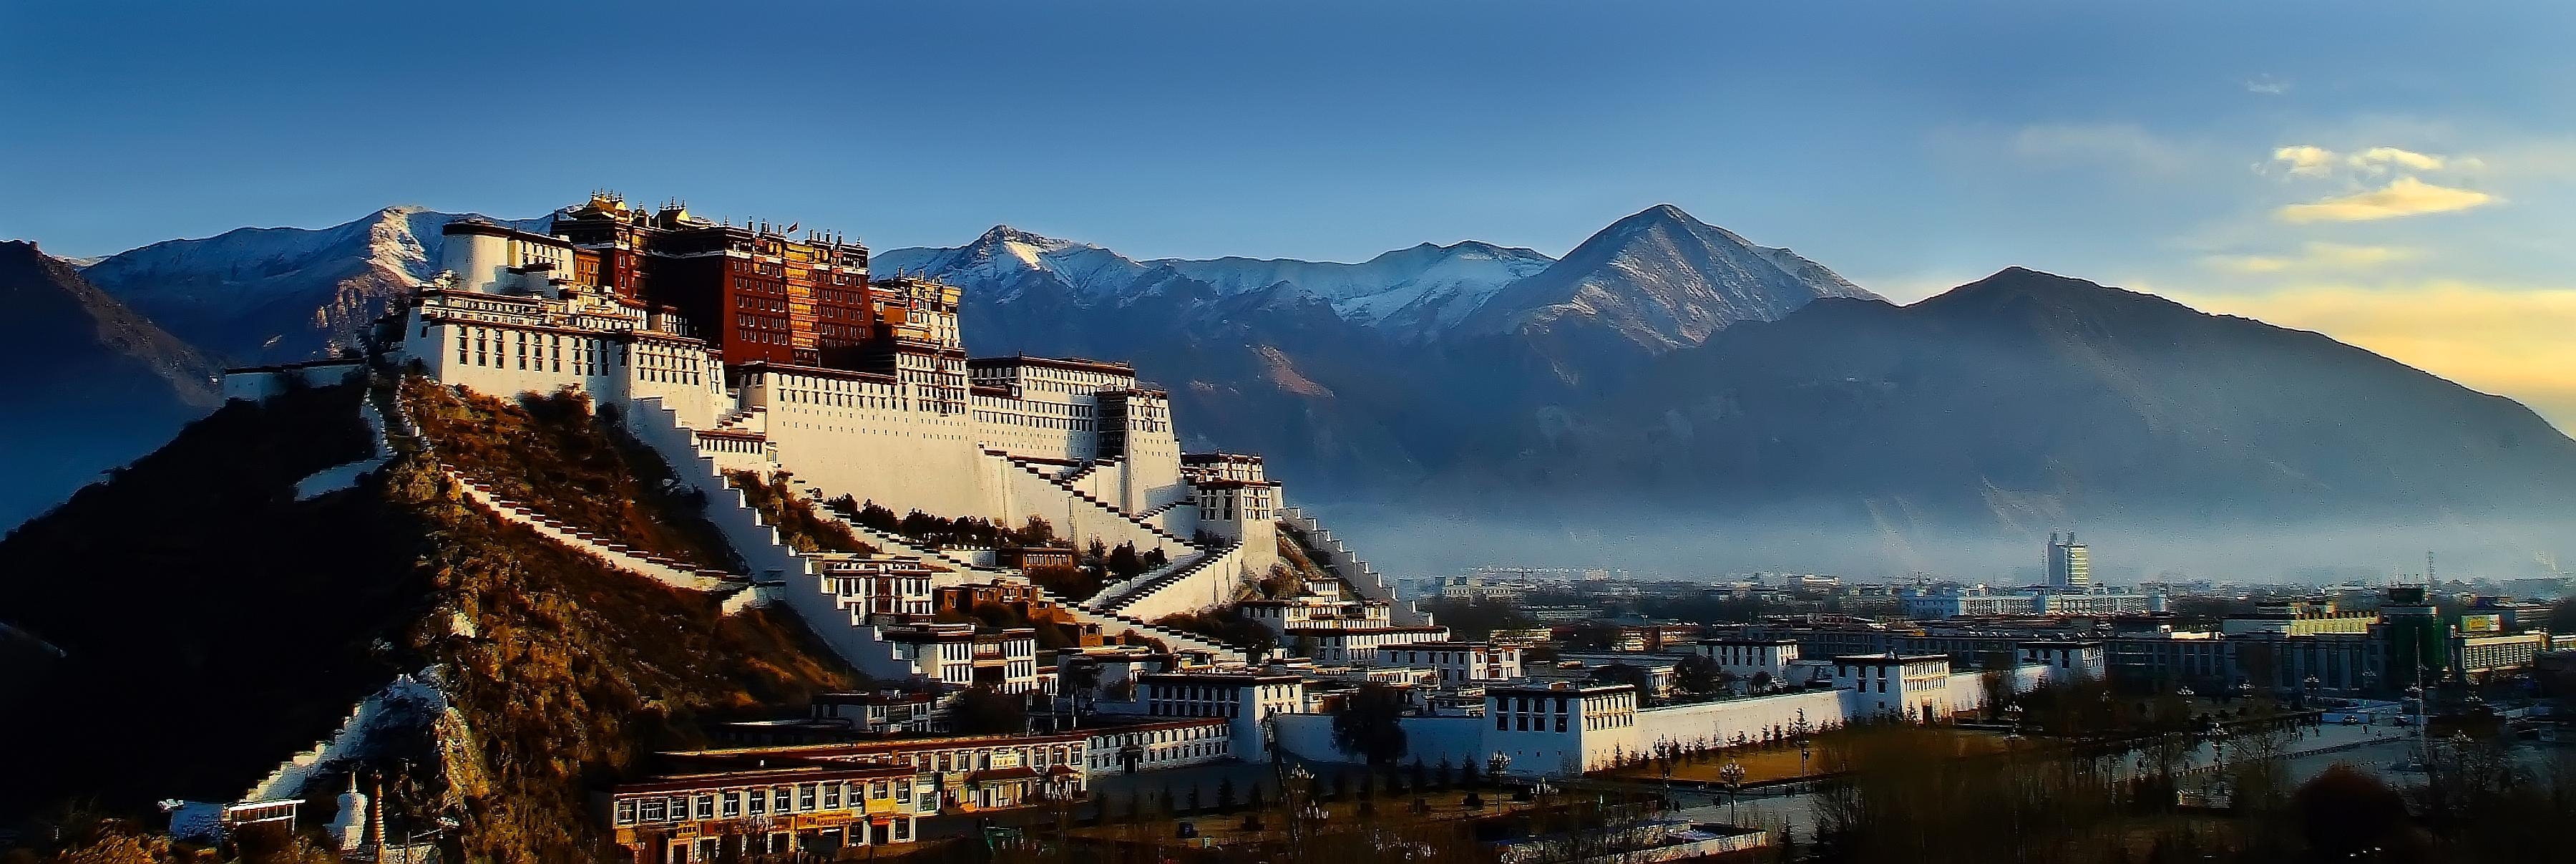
981	710
1035	532
1629	674
1225	795
1124	563
1699	673
1156	558
2344	812
1370	724
876	516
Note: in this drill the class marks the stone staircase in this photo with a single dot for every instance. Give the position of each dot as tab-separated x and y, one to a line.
399	432
1095	501
670	571
740	420
780	573
1113	623
1364	580
884	540
1144	586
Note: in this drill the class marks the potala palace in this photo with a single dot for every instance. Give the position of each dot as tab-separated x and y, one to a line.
748	348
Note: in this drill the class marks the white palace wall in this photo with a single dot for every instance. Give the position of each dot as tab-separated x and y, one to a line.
505	346
1712	723
853	433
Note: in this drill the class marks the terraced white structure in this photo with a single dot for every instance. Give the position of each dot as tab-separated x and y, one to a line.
901	417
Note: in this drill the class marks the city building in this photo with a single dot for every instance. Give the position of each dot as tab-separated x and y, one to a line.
791	809
1747	658
2069	564
1452	663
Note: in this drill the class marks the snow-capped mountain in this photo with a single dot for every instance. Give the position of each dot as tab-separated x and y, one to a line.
1662	280
1004	257
257	295
1411	294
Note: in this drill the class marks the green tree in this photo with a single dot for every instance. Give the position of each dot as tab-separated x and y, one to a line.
1370	724
1699	673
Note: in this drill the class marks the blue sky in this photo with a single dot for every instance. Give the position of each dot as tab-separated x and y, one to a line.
2398	175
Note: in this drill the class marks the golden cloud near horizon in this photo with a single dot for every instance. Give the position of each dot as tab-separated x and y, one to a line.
2507	341
2314	255
2405	196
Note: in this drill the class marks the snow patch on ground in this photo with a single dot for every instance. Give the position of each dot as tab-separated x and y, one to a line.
407	702
338	477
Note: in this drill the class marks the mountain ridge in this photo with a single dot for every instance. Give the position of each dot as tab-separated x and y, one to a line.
114	384
2112	404
1568	375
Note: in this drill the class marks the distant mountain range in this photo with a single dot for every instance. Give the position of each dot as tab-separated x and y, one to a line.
2028	400
1662	359
271	295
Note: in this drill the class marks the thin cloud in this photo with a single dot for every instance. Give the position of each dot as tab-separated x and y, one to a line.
2266	85
2315	257
2406	196
2305	160
2309	160
2382	158
2119	143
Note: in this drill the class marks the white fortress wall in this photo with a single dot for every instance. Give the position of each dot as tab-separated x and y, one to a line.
767	559
1029	494
1215	582
1754	718
1460	740
1354	572
857	434
504	346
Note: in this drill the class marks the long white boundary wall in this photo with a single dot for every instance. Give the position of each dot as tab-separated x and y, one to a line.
1473	739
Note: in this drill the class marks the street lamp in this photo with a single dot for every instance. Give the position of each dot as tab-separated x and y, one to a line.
2012	716
1805	748
1495	764
1733	774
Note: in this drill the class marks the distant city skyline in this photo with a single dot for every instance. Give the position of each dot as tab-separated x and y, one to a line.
2392	175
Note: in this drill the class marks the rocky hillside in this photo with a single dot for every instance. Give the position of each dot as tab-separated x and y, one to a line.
239	624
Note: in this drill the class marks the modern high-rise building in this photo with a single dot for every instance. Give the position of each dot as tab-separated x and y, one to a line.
2067	562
